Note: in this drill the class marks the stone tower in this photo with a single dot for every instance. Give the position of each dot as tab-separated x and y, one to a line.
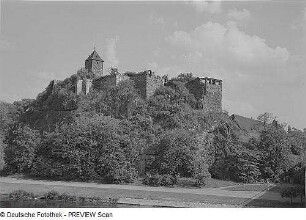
94	63
146	83
208	93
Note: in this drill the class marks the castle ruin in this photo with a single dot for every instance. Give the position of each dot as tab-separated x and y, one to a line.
145	82
207	91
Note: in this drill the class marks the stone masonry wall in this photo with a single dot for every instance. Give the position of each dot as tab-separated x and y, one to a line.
104	82
196	88
212	99
140	84
146	83
94	66
208	93
79	86
153	82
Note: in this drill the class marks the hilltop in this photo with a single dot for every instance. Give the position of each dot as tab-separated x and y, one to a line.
123	126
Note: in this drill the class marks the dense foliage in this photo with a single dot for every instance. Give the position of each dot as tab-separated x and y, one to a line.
115	136
90	148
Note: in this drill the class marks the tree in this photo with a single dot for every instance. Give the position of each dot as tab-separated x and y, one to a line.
23	106
175	154
297	141
170	107
21	145
275	148
266	118
184	77
8	114
91	148
122	100
62	99
113	71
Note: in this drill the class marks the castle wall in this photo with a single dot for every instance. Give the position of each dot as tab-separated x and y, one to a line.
121	77
140	84
146	83
86	86
212	99
104	82
196	88
153	82
208	92
79	86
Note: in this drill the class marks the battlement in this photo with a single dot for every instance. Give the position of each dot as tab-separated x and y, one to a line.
212	81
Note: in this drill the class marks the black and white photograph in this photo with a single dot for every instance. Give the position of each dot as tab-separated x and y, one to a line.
151	104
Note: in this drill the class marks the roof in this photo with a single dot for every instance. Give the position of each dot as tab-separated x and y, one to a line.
94	56
247	124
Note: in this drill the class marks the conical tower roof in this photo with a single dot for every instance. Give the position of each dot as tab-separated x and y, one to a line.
94	56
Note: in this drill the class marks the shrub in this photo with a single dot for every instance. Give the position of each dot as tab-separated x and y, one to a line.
168	180
121	175
21	195
152	179
52	195
200	171
67	197
159	180
292	192
201	178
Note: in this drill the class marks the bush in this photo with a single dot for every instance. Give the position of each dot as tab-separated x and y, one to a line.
21	195
159	180
292	192
152	179
52	195
121	175
168	180
200	172
201	178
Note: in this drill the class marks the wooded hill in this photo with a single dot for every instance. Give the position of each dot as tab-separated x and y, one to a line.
113	135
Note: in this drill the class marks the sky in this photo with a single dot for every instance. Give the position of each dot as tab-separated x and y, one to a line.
258	48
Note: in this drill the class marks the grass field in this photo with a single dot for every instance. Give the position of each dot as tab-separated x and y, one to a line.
249	187
121	193
215	192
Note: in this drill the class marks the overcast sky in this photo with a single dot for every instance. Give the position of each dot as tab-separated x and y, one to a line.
257	48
